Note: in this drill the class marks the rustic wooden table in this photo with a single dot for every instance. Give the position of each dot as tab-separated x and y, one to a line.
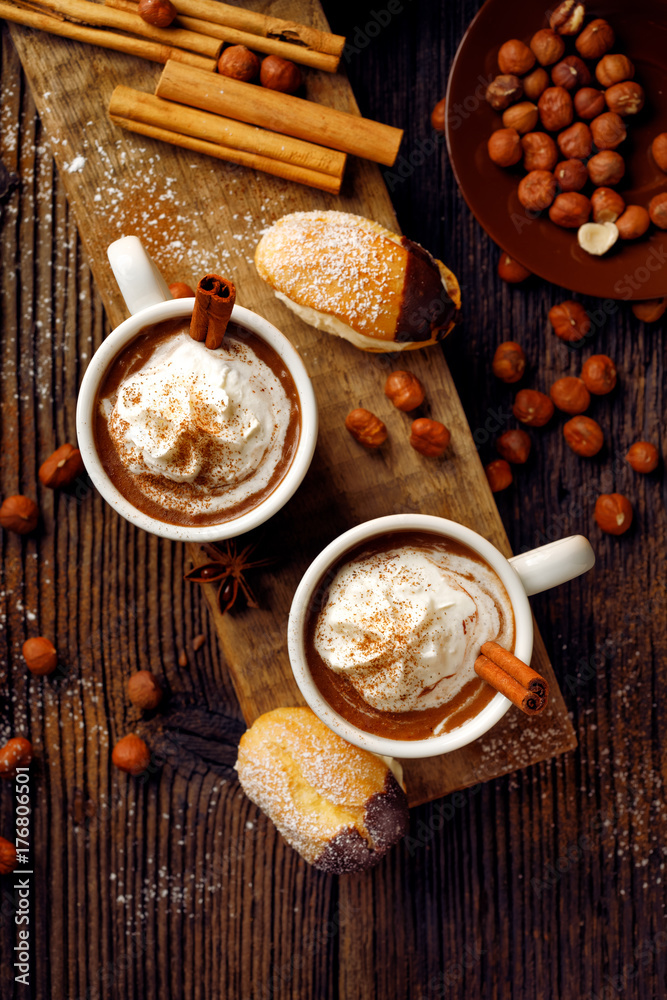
547	883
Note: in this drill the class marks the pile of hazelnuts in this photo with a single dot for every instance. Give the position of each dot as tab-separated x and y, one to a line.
540	84
571	395
428	437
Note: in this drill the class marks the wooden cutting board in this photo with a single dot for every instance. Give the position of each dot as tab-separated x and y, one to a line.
196	215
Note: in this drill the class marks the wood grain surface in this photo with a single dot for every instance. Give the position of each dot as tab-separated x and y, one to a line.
547	883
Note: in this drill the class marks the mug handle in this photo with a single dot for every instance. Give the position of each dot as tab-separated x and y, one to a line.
139	280
553	564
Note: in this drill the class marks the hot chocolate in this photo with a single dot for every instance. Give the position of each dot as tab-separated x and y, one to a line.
392	639
193	436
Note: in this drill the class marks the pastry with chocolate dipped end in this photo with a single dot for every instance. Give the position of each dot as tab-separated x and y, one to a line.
354	278
340	807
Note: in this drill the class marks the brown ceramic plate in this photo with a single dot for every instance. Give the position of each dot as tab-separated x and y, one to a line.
631	270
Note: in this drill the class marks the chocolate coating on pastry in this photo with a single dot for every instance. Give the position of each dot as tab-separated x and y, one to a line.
426	304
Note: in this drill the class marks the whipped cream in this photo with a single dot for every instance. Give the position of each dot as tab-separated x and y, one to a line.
405	626
212	423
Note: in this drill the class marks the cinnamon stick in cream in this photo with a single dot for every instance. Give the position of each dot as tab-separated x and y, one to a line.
214	301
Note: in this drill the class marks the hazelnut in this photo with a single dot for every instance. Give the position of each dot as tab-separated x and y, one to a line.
404	390
571	73
606	167
535	84
533	407
438	115
62	467
576	142
650	310
614	69
567	18
607	205
238	62
555	107
537	190
504	147
657	210
503	91
144	690
366	428
131	754
19	514
659	150
596	39
570	210
522	117
40	656
511	270
8	856
547	46
509	361
539	151
613	513
584	436
643	456
515	58
179	290
589	103
597	238
625	98
429	437
570	321
17	752
599	374
570	395
498	474
608	130
514	446
280	74
633	223
571	175
159	13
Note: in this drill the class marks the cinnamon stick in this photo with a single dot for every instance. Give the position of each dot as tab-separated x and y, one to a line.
282	113
517	669
55	25
524	687
214	301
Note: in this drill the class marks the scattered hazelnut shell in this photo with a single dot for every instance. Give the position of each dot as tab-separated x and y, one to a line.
599	373
159	13
571	175
179	290
570	321
571	73
40	655
625	98
404	390
539	151
606	168
576	142
280	74
606	205
589	103
17	752
8	856
514	57
504	147
643	456
438	115
131	754
614	69
514	446
608	130
570	395
659	150
556	109
633	223
521	116
570	209
239	63
61	468
650	310
499	475
596	39
144	690
567	18
535	84
613	513
547	46
584	436
503	91
537	190
20	514
429	437
509	361
533	407
511	270
657	210
366	428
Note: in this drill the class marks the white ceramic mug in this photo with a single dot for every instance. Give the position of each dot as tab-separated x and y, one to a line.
149	301
522	575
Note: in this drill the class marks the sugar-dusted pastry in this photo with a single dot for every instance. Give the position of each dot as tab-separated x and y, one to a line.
352	277
340	807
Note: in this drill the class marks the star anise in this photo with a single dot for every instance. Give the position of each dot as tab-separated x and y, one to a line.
228	567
